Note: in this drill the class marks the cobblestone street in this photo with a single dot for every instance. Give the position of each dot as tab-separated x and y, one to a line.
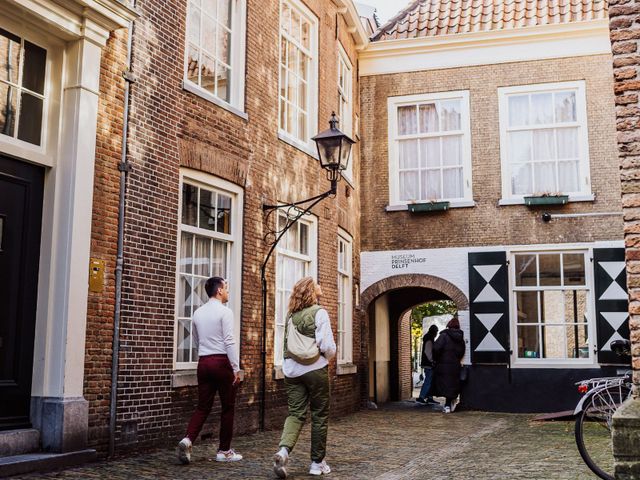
401	441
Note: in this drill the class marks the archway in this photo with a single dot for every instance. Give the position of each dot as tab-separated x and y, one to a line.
385	302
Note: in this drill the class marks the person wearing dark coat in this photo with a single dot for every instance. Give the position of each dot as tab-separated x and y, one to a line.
427	364
448	351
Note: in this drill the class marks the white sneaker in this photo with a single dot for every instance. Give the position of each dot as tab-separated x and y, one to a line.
184	450
319	468
228	456
447	409
280	461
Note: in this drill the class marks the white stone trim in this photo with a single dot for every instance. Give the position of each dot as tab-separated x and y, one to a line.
486	48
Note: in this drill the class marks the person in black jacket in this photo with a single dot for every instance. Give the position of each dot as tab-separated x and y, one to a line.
447	352
427	364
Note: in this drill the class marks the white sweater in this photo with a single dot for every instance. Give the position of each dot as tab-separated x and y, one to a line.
213	331
326	344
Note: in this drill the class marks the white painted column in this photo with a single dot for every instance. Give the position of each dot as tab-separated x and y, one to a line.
60	410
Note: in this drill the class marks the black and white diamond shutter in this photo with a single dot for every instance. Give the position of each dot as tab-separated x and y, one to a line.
489	307
612	301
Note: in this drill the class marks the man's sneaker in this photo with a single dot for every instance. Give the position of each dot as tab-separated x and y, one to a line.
421	400
447	409
184	450
280	461
228	456
319	468
431	401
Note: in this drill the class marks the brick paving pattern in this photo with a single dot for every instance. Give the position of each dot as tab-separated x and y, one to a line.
401	441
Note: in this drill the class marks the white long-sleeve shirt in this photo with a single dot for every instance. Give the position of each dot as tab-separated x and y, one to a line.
213	331
326	344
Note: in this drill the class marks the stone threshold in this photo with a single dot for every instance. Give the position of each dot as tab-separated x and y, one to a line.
43	462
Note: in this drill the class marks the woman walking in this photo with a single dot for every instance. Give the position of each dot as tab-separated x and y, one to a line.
448	352
306	376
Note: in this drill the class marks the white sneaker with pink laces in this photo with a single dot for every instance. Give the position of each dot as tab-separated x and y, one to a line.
319	468
228	456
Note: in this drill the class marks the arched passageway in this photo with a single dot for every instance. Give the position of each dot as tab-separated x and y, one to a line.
385	302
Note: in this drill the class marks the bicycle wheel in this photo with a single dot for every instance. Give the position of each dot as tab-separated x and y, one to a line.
593	429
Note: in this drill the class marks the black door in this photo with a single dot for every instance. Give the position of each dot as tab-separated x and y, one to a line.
21	186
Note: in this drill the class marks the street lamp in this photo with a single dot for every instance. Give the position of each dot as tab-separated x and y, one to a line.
334	149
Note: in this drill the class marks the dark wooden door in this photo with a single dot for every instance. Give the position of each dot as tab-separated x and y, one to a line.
21	189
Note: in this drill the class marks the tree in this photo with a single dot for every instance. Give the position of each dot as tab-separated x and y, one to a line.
439	307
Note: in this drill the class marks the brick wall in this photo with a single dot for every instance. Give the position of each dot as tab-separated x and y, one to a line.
625	35
487	223
170	128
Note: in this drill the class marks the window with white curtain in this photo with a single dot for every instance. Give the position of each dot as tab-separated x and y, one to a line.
298	72
345	295
214	60
551	306
430	148
209	245
345	101
295	259
543	139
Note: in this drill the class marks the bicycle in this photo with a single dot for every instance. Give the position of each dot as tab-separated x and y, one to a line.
594	412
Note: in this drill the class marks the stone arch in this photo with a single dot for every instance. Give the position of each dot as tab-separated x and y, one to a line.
397	282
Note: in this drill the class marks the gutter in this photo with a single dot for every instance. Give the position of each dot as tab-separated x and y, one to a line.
124	167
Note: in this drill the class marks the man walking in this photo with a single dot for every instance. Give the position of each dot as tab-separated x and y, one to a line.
218	370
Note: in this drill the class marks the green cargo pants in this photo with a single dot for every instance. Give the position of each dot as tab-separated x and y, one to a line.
310	389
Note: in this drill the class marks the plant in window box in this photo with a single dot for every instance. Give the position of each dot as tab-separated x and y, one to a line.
428	206
546	198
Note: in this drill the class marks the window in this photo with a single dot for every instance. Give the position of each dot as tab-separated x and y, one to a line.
209	245
345	101
298	73
543	140
214	61
295	258
22	88
345	295
429	148
551	300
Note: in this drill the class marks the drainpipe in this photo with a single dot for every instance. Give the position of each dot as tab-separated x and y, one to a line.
124	167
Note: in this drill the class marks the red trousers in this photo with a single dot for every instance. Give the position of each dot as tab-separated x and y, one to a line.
214	375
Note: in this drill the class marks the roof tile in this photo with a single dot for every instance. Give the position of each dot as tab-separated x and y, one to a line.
430	18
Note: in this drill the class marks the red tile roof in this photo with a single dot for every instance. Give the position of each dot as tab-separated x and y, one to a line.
429	18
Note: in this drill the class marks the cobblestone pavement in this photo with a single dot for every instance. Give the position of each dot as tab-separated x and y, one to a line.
401	441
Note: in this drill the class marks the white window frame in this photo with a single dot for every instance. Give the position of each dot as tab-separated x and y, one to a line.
589	362
312	258
394	179
584	176
236	103
346	95
305	144
345	304
234	275
45	153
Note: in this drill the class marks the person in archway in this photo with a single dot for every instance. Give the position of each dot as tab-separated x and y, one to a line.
448	351
427	365
306	379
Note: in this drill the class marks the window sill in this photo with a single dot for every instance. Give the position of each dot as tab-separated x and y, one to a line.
294	142
452	204
586	363
189	87
189	378
346	369
572	198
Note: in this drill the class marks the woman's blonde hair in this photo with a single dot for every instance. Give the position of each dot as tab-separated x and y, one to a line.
303	295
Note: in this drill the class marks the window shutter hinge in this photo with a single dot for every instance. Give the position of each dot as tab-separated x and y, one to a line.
129	76
124	167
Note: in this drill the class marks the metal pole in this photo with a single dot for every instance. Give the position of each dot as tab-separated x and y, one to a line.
124	167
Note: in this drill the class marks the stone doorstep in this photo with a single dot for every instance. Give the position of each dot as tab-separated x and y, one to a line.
18	442
43	462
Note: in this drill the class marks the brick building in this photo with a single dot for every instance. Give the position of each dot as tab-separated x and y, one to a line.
490	177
